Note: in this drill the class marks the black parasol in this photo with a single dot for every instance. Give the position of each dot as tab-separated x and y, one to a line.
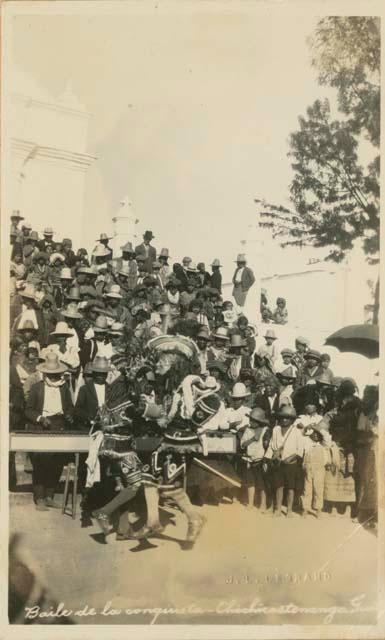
356	338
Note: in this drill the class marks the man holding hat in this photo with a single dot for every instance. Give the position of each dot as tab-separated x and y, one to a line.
48	408
147	250
243	280
216	276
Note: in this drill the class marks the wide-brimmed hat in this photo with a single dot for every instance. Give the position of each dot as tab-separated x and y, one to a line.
124	271
270	333
16	214
86	270
114	292
27	225
100	251
236	341
27	326
29	291
48	231
34	235
239	391
66	274
148	235
56	256
241	257
51	364
313	354
258	415
287	374
104	236
302	340
164	253
216	365
116	329
61	329
88	290
192	267
71	311
73	294
101	324
127	248
216	263
100	365
204	333
287	352
324	379
221	333
286	411
41	255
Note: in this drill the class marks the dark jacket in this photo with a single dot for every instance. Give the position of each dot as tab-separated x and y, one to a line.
88	351
263	402
182	275
247	279
141	250
86	406
216	280
35	404
16	401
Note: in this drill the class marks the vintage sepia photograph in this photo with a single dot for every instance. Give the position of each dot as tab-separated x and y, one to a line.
190	319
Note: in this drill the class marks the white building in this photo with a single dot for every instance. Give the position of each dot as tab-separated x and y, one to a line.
48	157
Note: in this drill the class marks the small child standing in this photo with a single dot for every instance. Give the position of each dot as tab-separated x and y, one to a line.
314	463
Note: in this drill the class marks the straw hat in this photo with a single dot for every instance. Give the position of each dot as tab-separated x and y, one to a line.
27	225
104	236
65	274
127	248
239	390
28	291
101	324
61	329
222	333
116	329
287	374
48	231
114	292
203	333
236	340
287	352
56	256
100	251
258	415
270	333
51	364
16	214
124	271
192	267
27	326
73	294
71	311
301	340
313	354
100	365
241	257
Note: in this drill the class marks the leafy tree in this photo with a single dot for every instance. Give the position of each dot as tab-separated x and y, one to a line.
334	197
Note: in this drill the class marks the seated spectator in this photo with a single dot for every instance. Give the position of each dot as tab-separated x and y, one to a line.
280	314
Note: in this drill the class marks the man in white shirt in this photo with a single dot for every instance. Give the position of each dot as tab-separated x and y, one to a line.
237	416
286	450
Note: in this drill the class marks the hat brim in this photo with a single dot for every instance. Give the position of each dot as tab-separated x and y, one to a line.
246	395
59	369
74	316
22	329
99	330
100	370
114	295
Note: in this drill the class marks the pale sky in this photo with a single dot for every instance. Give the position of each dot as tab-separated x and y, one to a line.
191	116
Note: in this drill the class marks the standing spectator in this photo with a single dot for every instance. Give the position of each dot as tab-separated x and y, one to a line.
243	280
255	440
203	276
216	276
165	269
147	250
315	460
47	240
325	367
